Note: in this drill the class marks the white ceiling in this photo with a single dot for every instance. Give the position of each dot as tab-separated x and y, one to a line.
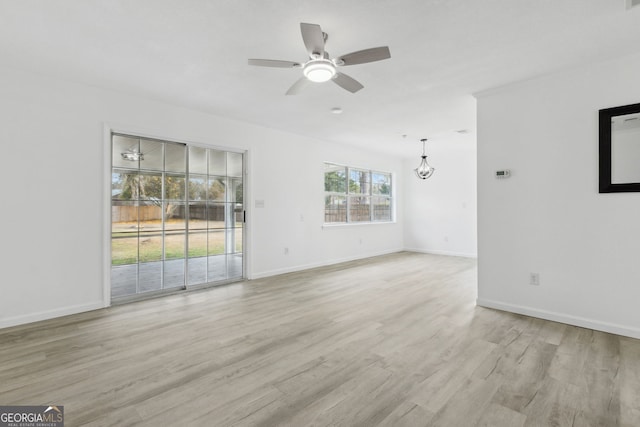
194	53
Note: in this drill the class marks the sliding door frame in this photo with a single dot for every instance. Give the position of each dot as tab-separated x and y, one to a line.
108	131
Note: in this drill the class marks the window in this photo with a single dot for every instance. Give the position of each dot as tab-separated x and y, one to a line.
354	195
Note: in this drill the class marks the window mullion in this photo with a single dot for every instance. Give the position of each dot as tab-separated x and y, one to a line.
370	192
348	194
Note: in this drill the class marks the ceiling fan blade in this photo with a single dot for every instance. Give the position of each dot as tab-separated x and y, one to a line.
346	82
298	86
274	63
364	56
313	39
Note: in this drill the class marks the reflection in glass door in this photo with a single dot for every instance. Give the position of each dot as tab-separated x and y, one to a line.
176	216
215	218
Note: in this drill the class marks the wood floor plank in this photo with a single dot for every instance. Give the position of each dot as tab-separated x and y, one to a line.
628	377
469	404
525	373
554	404
434	392
407	414
394	340
496	415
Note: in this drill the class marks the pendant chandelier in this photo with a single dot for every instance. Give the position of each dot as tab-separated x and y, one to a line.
133	155
424	171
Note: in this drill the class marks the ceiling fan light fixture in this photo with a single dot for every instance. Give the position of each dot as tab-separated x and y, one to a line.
319	70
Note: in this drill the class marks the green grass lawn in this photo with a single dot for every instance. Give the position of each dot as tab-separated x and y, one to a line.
125	250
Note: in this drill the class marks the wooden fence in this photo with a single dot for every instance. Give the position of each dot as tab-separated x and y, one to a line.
358	213
130	213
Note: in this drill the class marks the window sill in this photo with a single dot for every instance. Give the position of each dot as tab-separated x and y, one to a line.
356	224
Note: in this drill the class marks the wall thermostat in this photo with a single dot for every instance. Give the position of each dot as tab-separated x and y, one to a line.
504	173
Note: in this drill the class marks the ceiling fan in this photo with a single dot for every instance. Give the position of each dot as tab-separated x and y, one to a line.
320	67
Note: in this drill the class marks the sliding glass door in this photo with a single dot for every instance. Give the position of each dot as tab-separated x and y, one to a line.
177	216
215	215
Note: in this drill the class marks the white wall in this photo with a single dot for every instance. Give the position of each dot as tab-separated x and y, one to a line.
549	218
440	212
290	181
53	157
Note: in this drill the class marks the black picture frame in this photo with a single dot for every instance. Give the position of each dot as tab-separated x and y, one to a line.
605	117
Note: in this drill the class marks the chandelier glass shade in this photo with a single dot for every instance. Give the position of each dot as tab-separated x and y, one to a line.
425	170
133	155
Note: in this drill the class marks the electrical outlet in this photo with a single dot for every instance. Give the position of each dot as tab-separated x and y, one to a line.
534	279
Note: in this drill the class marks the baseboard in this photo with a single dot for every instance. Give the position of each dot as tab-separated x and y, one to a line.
438	252
562	318
50	314
323	263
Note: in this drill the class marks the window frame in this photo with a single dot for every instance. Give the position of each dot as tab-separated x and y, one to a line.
349	195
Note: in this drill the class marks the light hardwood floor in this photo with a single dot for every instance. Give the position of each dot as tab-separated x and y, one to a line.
392	341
